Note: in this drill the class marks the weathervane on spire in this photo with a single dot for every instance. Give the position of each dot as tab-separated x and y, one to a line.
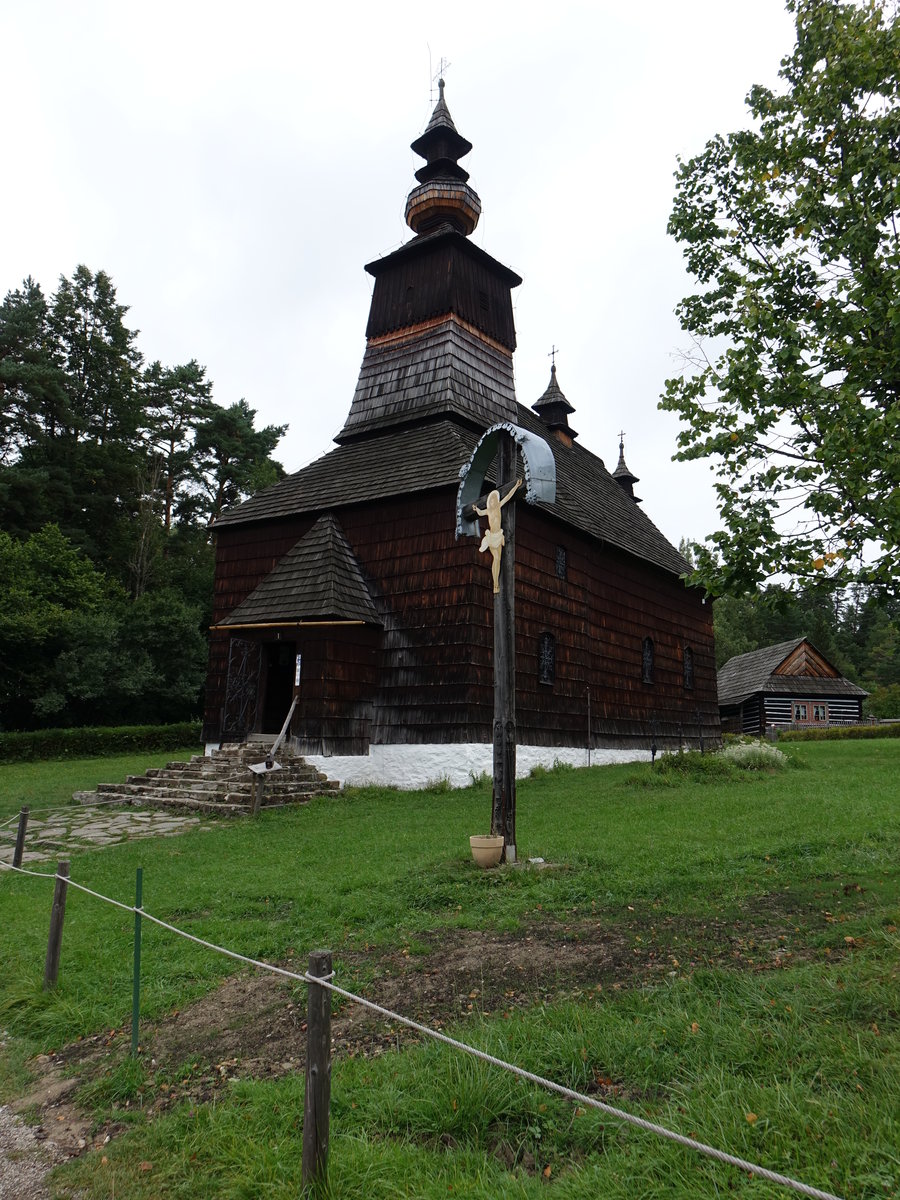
439	77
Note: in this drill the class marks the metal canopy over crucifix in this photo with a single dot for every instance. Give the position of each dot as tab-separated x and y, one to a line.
503	442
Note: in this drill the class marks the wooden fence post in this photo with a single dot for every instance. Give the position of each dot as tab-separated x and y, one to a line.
20	837
57	916
318	1073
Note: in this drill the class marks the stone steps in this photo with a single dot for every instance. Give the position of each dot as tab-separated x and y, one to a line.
212	778
220	783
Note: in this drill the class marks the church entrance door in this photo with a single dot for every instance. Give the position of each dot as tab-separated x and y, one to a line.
278	686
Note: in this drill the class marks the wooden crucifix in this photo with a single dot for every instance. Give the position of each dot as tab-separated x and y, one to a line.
504	441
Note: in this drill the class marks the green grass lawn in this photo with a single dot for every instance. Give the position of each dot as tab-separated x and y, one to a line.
753	1004
43	785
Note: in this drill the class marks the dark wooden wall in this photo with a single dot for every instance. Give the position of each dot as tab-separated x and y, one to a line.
437	281
427	676
334	715
244	556
422	582
599	616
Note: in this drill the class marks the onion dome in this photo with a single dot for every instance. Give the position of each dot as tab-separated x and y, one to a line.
623	476
553	408
443	196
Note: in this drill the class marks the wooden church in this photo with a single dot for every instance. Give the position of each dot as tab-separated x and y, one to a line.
346	586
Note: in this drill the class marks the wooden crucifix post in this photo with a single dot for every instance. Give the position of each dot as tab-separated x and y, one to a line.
504	441
503	800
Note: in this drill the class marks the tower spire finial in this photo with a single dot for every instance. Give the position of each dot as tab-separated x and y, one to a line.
552	407
443	196
622	475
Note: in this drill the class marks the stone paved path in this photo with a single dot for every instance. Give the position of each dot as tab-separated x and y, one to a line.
82	828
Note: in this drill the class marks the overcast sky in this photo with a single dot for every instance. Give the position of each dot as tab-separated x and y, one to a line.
232	167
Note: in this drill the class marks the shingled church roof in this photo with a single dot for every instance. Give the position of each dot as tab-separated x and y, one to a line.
423	457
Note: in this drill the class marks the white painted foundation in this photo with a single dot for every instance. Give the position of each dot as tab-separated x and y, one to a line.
460	763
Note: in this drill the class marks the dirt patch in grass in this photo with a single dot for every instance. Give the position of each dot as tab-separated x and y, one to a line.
253	1025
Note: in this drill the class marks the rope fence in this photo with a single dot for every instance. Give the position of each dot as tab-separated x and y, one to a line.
325	981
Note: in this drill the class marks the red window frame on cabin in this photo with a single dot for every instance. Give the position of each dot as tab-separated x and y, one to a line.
809	712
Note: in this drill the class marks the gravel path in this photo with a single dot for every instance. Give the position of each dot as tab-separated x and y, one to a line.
24	1161
25	1158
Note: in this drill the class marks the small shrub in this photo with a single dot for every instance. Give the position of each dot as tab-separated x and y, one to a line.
755	756
482	779
539	771
440	785
691	764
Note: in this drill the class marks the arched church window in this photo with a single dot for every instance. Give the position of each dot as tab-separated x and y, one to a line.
647	660
546	658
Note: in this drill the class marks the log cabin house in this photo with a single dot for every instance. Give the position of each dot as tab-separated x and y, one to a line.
344	585
788	686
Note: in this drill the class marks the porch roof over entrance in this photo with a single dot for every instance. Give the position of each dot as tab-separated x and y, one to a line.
319	581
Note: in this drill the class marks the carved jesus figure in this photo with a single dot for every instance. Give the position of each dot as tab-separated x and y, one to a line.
494	538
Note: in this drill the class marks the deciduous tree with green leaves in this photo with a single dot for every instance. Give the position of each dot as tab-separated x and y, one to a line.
792	386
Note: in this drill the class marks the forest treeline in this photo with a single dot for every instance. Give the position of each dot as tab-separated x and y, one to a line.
111	469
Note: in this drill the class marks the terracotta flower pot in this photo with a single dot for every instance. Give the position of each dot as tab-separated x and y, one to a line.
486	848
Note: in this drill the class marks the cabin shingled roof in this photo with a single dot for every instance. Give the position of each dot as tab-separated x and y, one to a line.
423	457
318	579
746	674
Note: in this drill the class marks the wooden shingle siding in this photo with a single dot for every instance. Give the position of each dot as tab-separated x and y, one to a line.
599	616
444	368
334	715
318	578
431	677
439	274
